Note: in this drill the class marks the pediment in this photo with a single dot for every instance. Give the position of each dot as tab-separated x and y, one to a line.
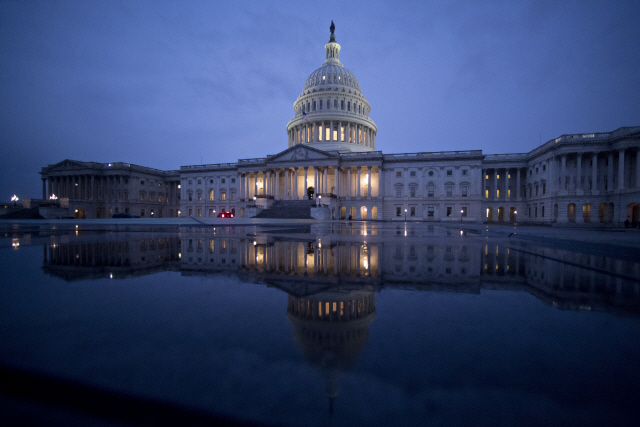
300	152
66	165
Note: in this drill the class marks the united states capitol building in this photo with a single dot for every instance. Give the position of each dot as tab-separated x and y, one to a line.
332	169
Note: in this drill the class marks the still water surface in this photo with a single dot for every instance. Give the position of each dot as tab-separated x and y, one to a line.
330	325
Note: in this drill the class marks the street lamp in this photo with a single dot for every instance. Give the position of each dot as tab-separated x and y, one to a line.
15	199
319	200
461	212
405	215
53	197
515	216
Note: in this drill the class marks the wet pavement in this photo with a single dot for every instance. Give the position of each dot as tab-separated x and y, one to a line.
319	323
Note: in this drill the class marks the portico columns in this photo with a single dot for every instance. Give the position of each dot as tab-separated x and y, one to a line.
594	173
368	182
325	172
336	183
315	181
621	169
579	174
295	181
610	172
518	184
349	182
255	183
358	183
287	195
563	173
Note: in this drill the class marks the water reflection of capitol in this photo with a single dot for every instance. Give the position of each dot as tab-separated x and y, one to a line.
308	267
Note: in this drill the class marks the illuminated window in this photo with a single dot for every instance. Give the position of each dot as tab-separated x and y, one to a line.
449	211
509	193
223	196
486	176
486	194
142	195
199	196
199	212
497	193
398	174
190	214
211	198
327	134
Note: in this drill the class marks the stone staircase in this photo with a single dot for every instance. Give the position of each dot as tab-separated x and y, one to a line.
290	209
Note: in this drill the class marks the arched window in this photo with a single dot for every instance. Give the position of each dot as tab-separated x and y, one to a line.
348	105
314	105
335	104
342	104
320	104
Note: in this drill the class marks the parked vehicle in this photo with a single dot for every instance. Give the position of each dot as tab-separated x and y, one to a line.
225	215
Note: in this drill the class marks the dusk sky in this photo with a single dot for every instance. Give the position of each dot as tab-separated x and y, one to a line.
167	84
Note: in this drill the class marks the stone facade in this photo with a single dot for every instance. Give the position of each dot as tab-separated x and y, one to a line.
99	190
331	158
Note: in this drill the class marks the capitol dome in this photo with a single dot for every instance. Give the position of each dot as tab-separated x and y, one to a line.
332	114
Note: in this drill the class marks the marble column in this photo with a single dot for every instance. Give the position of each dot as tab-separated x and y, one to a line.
579	174
563	173
349	182
621	170
368	182
325	172
610	185
518	184
295	184
336	181
594	173
358	183
315	181
255	184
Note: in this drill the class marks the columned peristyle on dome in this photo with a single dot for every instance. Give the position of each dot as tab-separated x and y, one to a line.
332	114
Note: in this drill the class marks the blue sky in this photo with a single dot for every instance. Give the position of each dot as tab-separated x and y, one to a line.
166	84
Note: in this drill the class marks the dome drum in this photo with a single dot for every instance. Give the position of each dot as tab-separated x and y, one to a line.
332	112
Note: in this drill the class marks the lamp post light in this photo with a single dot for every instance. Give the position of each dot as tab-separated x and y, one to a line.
53	197
405	215
515	216
15	199
319	200
461	212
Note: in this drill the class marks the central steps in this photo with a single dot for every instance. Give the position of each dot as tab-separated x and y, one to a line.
289	209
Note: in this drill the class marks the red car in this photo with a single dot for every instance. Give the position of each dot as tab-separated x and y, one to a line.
225	215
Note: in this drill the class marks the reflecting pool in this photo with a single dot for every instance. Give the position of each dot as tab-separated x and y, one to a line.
330	324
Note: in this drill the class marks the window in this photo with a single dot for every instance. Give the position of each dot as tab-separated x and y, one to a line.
464	172
413	211
544	189
536	170
398	191
142	195
211	195
222	180
412	173
223	196
536	189
190	213
211	215
398	211
544	168
449	211
430	173
141	182
199	196
463	190
233	180
431	188
199	212
449	172
141	212
486	193
190	196
542	209
160	198
463	211
199	181
210	181
430	212
412	190
398	174
190	182
449	189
